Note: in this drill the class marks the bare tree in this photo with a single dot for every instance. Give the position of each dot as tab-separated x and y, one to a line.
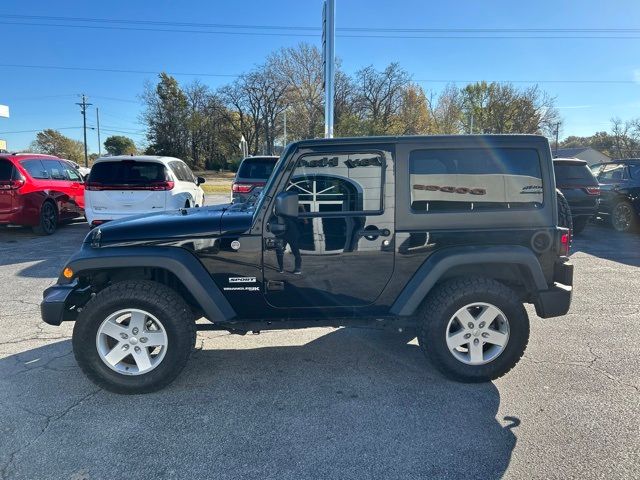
300	68
379	96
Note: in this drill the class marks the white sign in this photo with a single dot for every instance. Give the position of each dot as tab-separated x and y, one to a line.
4	111
3	144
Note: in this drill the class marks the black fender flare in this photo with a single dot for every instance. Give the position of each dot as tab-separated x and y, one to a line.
183	264
443	260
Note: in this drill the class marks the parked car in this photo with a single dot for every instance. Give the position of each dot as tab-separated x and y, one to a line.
444	236
84	171
620	199
39	191
121	186
579	187
252	174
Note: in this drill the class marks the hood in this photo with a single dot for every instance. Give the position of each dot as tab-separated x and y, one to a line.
165	227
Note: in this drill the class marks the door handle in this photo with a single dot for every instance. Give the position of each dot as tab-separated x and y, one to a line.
373	233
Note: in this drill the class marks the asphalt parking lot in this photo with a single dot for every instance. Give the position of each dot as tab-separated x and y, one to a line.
328	403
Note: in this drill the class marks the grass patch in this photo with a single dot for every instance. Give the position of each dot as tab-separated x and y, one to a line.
216	188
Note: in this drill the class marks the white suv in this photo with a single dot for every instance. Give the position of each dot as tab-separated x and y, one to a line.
131	185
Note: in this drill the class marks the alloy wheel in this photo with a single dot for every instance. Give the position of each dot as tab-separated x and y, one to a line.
622	217
131	342
49	218
477	333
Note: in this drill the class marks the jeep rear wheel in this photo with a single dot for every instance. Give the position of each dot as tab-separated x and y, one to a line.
474	330
134	337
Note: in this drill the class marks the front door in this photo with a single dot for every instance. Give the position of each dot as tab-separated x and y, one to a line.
339	252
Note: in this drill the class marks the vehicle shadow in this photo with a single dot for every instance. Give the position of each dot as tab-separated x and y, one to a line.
602	241
353	403
46	254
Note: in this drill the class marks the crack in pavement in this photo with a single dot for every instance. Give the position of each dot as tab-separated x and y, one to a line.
589	365
49	420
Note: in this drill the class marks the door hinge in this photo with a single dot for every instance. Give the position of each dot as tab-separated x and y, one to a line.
275	285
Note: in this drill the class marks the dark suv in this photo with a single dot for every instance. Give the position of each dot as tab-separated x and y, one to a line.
620	198
252	174
580	188
444	236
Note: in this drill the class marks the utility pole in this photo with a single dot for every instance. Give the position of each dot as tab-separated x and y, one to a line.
83	110
557	134
285	127
471	132
98	125
328	56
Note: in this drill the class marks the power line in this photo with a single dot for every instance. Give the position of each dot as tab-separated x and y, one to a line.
113	70
230	75
359	35
317	29
41	129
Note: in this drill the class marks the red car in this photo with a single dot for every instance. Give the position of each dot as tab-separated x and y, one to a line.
39	191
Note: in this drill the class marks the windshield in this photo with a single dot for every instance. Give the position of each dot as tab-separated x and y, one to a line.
247	204
127	172
266	191
257	168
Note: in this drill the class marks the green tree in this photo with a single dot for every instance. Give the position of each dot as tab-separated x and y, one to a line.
502	108
120	145
52	142
166	116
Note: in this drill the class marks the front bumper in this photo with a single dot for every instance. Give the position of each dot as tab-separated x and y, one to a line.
58	303
556	301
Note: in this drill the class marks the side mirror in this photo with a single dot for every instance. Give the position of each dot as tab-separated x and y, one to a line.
200	180
286	204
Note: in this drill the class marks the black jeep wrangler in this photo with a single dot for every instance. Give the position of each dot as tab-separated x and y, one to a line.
447	236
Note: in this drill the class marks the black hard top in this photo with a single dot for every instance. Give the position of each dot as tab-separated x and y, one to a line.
469	139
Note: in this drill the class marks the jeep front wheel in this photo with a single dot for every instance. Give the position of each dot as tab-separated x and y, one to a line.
474	330
134	337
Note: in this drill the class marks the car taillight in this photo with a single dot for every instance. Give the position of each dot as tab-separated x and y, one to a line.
243	187
166	185
565	243
12	184
592	190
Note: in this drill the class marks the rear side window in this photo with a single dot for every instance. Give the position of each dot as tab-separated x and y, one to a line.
35	169
181	171
127	172
6	170
634	171
475	179
256	168
55	169
573	173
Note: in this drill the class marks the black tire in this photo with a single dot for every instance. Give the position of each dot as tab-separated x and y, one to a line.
441	305
630	221
579	224
48	221
162	302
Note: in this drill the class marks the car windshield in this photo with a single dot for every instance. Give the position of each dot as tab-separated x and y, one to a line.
573	173
260	199
6	169
248	204
127	172
256	168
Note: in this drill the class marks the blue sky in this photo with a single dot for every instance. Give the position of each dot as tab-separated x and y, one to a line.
44	98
